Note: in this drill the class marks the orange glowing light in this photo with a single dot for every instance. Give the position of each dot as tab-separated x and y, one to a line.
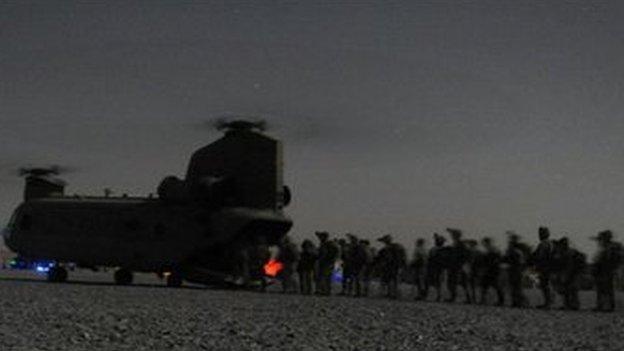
272	267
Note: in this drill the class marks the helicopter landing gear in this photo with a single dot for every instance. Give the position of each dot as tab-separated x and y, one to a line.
123	277
174	280
57	274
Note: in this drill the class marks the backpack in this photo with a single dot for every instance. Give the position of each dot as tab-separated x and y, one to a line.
615	255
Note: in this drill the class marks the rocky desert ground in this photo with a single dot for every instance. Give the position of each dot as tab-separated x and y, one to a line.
90	313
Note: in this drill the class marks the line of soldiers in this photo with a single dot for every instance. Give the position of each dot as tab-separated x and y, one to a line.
465	264
360	261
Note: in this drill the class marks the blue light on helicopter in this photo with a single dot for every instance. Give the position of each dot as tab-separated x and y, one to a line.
43	267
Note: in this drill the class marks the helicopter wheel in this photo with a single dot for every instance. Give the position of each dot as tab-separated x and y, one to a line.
123	277
57	274
174	280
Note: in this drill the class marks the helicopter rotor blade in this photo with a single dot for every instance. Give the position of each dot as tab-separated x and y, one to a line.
293	127
235	121
48	170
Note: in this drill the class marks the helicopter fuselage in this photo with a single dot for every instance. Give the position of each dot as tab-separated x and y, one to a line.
140	234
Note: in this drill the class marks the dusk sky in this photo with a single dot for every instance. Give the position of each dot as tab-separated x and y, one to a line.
397	117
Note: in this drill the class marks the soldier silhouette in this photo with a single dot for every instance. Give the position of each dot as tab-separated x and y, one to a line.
490	271
306	267
329	252
541	259
606	262
471	267
346	252
392	259
435	267
289	257
516	257
259	255
569	265
419	266
455	266
360	258
369	267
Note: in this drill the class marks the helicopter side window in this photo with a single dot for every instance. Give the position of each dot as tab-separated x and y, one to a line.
25	222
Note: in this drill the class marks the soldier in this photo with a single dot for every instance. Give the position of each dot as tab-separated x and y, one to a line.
307	264
346	252
515	258
541	259
361	260
289	257
239	256
329	252
418	265
471	267
368	253
606	262
490	271
455	267
392	261
354	258
435	267
569	264
379	267
259	255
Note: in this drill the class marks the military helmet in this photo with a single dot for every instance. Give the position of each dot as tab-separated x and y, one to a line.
439	239
513	236
455	233
604	236
351	236
385	239
471	242
322	235
544	233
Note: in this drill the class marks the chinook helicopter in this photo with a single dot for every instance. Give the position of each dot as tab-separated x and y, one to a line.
194	230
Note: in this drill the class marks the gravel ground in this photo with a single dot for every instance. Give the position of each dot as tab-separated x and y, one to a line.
94	315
